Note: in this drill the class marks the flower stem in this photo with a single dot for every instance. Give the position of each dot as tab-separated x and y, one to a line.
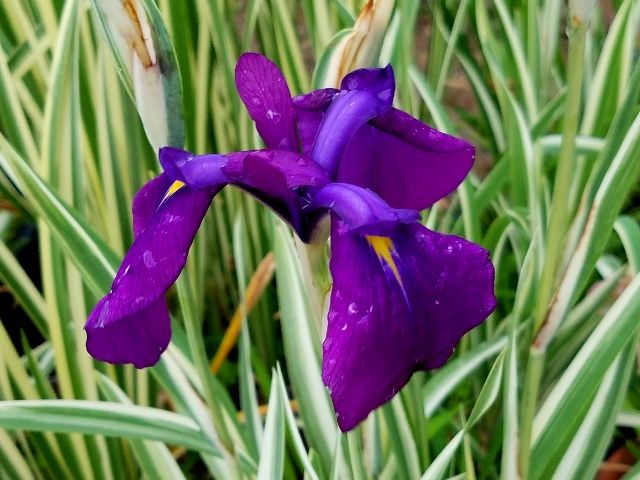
558	225
559	220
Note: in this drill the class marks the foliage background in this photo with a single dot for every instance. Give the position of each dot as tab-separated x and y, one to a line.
546	388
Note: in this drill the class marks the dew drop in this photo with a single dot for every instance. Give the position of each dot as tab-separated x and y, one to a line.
344	327
147	258
352	308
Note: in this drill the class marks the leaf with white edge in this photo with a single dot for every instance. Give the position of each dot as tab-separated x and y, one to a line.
104	418
584	455
271	464
154	458
300	346
562	412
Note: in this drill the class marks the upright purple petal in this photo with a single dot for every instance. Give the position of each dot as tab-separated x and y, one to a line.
369	93
265	93
399	304
131	323
310	109
408	163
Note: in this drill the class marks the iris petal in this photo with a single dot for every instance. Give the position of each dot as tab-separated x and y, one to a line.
380	329
131	323
361	209
369	94
395	151
310	109
265	93
278	178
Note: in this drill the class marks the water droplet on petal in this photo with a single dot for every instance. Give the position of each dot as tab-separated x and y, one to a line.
147	258
272	115
344	327
352	308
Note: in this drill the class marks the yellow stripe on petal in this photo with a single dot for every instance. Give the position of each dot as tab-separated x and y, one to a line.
175	186
383	246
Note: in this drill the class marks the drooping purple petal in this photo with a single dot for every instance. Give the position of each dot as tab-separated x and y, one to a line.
370	94
265	93
362	210
399	304
408	163
131	323
147	200
278	178
139	338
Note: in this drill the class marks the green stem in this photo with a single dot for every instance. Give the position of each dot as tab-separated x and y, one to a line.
559	220
535	367
558	224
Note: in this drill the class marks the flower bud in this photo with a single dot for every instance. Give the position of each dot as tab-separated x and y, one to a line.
146	63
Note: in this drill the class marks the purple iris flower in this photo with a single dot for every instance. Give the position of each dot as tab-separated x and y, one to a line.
402	295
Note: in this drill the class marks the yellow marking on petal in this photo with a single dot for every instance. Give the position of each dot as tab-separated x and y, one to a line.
175	186
383	246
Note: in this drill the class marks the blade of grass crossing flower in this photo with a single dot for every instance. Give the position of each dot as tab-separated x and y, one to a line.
271	464
590	443
564	408
301	351
154	458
